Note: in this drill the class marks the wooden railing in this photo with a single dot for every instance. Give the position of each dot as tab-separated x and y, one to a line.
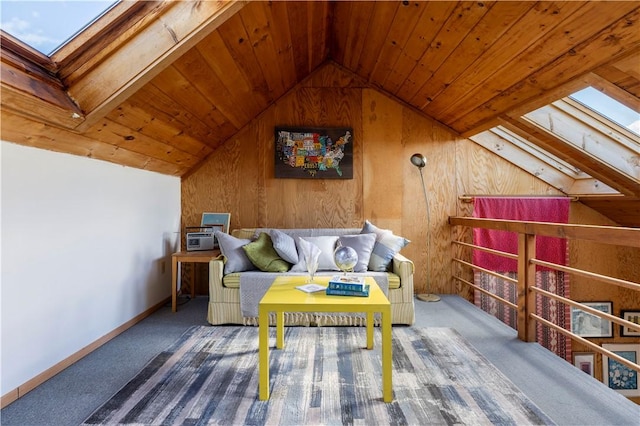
527	262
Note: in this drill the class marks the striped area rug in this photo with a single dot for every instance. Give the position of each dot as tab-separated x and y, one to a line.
322	376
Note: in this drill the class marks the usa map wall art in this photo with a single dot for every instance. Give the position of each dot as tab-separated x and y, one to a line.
314	153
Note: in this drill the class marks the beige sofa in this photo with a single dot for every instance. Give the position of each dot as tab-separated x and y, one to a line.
224	291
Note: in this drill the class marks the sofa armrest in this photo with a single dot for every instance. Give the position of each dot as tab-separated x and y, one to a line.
404	268
216	272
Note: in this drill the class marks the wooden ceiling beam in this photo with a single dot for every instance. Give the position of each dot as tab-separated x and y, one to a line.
615	92
23	131
514	154
143	52
573	155
30	86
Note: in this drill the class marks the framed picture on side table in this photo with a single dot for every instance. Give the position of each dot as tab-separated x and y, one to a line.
618	376
216	222
631	316
584	361
585	324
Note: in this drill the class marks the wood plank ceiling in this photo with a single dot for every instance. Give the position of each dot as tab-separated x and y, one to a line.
204	70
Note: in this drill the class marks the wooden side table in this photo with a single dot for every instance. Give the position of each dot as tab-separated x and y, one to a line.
203	256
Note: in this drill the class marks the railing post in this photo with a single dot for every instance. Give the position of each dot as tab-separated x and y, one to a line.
526	278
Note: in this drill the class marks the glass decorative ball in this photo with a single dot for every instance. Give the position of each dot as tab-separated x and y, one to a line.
346	258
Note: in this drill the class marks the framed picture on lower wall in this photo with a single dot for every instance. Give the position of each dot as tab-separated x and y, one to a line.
615	374
584	361
586	324
631	316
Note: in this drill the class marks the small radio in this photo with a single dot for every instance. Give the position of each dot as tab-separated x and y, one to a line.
199	241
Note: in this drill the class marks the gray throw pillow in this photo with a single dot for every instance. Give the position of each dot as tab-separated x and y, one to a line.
285	246
236	259
386	246
363	245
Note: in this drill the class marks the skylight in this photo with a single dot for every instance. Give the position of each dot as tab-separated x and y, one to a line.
608	107
48	25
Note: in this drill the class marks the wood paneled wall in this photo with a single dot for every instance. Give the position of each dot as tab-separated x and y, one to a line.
481	172
386	189
615	261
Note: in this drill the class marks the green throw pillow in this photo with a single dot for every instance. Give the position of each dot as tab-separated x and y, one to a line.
262	254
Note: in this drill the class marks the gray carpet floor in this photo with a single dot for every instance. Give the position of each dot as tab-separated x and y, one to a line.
563	392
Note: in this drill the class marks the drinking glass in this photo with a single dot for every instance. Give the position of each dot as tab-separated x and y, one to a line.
312	267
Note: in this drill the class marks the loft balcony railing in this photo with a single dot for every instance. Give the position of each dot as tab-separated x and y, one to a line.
527	263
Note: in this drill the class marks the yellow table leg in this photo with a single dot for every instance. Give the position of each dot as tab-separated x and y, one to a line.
263	348
387	385
280	330
369	330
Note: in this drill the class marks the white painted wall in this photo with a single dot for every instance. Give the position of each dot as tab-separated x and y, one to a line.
83	242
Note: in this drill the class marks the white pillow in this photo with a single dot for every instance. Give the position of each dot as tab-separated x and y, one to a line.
327	246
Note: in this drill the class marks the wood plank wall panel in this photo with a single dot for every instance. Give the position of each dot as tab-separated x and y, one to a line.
615	261
438	145
384	161
480	172
283	202
505	179
330	201
238	178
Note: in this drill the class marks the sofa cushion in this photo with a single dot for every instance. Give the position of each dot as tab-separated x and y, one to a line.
363	245
262	254
233	280
235	259
284	245
386	246
327	246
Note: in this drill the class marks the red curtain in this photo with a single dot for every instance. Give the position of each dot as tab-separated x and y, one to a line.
554	210
550	249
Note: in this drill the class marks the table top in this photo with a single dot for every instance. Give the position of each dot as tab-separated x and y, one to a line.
284	295
197	254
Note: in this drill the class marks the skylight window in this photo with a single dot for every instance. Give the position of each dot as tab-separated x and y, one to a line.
48	25
608	107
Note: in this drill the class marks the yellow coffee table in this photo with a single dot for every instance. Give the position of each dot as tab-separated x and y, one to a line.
284	297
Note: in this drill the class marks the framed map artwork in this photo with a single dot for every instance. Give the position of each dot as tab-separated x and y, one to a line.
314	152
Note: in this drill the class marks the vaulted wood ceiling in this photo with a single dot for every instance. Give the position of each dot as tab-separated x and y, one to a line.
160	85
